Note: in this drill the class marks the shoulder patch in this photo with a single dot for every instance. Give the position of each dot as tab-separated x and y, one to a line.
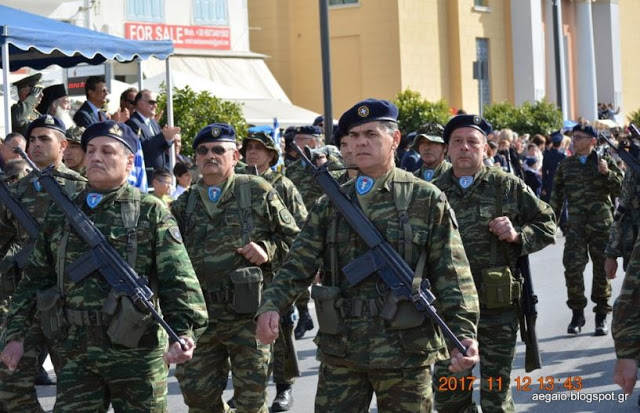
285	216
174	234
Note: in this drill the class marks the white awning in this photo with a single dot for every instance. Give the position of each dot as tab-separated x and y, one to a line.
262	112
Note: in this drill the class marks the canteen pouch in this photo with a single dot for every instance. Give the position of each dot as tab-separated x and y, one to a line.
499	288
247	289
52	317
400	313
328	309
128	324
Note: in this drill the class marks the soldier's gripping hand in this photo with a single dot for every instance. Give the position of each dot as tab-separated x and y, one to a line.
626	374
610	267
503	228
176	355
254	253
267	329
460	362
12	354
603	168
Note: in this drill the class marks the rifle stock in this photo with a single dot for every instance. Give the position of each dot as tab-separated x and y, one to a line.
528	315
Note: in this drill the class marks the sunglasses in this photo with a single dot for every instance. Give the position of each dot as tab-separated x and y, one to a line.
151	102
218	150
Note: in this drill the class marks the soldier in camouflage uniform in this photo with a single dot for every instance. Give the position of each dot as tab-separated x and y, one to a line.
500	219
360	352
589	183
46	137
102	356
432	149
74	157
236	229
342	141
24	111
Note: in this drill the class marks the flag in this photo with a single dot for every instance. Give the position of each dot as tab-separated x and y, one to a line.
276	139
138	175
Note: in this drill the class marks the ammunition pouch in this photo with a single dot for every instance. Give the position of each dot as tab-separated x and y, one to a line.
328	309
247	289
128	324
52	314
499	289
400	313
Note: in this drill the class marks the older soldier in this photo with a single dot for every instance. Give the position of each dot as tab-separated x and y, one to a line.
236	230
104	356
432	149
500	220
74	156
589	183
361	353
29	96
46	145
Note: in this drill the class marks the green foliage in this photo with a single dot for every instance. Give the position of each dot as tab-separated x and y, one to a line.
634	117
414	111
192	111
539	117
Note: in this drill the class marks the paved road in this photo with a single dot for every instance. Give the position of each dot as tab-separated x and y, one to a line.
584	357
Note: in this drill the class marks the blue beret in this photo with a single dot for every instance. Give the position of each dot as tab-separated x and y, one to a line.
466	121
111	129
318	120
530	161
338	134
368	110
309	130
588	129
557	137
46	121
215	132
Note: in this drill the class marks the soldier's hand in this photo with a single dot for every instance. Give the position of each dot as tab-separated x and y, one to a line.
170	131
502	227
254	253
625	374
460	362
12	354
610	267
603	168
267	329
176	355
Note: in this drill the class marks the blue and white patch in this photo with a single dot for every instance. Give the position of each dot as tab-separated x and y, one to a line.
364	184
37	185
93	199
583	159
465	181
428	174
214	193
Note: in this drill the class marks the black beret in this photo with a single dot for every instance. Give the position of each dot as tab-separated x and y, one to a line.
318	120
46	121
368	110
466	121
338	134
28	81
309	130
111	129
215	132
49	94
588	129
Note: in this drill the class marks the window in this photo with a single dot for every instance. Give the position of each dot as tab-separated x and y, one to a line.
484	87
340	2
210	12
480	3
145	10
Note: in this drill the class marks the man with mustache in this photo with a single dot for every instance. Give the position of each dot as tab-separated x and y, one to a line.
432	150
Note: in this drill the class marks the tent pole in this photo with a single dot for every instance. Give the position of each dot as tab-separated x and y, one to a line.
6	89
172	152
140	74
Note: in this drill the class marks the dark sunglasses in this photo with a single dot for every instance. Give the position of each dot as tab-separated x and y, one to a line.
218	150
151	102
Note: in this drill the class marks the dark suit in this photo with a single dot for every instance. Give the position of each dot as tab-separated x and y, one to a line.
153	144
85	116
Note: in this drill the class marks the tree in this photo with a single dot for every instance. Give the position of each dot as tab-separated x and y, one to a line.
193	111
414	111
634	117
540	117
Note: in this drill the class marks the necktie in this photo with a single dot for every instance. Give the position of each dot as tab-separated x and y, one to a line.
100	116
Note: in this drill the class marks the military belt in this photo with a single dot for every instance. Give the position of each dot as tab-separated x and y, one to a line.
359	307
87	318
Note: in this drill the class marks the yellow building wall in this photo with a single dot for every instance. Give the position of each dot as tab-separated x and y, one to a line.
629	39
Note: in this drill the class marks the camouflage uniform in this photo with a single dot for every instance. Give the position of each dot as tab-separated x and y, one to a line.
589	195
23	113
212	234
475	208
624	229
368	355
17	389
440	169
304	180
625	327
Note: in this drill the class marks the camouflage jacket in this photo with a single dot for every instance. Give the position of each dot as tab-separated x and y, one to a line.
625	327
475	208
22	114
622	234
161	257
368	341
305	181
212	235
440	169
589	193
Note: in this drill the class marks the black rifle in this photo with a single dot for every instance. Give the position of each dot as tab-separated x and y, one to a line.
381	257
101	256
621	149
24	218
291	367
528	315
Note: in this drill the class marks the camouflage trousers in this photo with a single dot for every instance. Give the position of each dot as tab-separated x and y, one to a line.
350	390
582	242
204	378
497	343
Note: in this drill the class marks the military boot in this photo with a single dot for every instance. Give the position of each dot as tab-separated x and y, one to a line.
284	399
577	321
305	323
601	325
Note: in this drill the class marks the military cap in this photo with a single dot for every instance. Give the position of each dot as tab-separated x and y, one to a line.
74	134
318	120
110	129
328	151
556	137
49	94
215	132
368	110
46	121
28	81
309	130
338	134
264	138
466	121
431	132
588	129
530	161
289	134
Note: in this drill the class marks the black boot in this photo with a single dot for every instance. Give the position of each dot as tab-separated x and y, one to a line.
601	325
284	400
44	379
577	321
305	323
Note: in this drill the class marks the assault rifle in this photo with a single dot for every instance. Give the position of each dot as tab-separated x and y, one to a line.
101	256
621	149
381	257
528	315
287	321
